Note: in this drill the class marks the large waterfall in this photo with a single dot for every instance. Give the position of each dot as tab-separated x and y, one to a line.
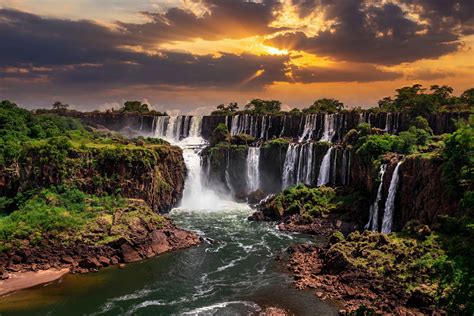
325	169
390	202
329	130
373	223
253	174
185	132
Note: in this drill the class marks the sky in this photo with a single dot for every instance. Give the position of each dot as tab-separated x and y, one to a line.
187	56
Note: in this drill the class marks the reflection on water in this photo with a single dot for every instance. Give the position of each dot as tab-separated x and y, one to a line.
232	273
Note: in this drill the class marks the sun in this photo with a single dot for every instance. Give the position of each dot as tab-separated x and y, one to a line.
274	51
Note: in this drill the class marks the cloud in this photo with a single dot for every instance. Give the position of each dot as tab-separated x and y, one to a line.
381	34
342	73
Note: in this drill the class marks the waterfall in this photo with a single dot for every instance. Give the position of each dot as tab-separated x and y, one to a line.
310	122
308	178
388	123
324	170
160	124
196	126
288	166
328	128
374	208
390	203
333	168
253	175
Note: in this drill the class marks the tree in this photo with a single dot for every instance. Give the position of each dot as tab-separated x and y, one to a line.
259	106
325	105
467	97
226	109
135	106
60	107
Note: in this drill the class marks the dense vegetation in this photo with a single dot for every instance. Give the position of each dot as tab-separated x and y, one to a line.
48	162
413	100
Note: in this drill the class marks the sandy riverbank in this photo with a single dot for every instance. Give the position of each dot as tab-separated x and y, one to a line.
23	280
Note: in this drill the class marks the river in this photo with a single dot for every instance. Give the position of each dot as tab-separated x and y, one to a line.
233	272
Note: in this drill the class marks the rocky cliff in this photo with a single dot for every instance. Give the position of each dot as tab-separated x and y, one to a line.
154	173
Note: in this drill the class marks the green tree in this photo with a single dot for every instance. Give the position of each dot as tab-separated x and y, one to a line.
60	107
467	97
135	106
325	105
259	106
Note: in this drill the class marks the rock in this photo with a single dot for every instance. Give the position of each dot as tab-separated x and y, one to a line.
159	242
273	311
67	259
90	263
129	254
103	261
257	216
4	276
122	265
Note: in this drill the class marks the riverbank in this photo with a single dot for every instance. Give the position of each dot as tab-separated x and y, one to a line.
23	280
129	232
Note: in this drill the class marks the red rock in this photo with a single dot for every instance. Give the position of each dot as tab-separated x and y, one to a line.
160	242
129	254
104	261
90	263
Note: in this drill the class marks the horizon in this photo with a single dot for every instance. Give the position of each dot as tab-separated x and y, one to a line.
186	57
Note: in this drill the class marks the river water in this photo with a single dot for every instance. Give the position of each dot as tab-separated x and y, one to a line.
233	272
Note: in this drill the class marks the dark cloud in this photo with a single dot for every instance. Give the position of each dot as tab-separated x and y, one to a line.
83	52
350	73
224	19
381	34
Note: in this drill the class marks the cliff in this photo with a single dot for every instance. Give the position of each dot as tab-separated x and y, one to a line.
265	127
154	173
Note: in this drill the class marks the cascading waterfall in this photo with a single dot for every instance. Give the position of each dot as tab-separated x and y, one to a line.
328	128
253	175
310	122
325	169
373	223
390	202
298	166
288	166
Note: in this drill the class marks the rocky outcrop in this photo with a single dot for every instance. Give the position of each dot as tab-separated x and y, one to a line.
353	272
154	173
132	234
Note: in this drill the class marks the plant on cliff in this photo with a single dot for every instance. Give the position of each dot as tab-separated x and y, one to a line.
308	202
220	134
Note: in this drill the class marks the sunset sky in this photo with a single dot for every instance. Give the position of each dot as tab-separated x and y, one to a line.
188	56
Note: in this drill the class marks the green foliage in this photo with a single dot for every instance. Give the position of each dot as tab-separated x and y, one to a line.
458	168
18	127
415	101
242	139
310	202
259	106
276	143
325	105
135	107
220	134
54	210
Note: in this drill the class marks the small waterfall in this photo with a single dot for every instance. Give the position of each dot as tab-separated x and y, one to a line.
374	208
160	123
196	126
310	122
328	128
282	132
324	170
388	123
333	168
253	175
289	165
308	178
390	203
